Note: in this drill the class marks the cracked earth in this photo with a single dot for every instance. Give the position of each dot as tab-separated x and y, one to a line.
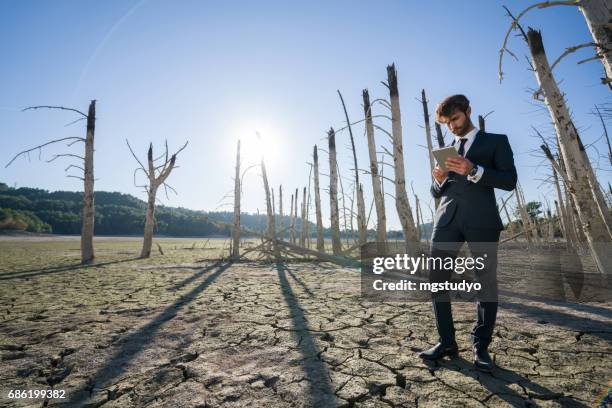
184	330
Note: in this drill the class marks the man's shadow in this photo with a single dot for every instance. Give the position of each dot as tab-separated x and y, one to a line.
498	380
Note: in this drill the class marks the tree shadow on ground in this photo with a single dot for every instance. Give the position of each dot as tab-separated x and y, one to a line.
301	283
198	274
135	342
582	307
56	269
576	323
497	383
320	388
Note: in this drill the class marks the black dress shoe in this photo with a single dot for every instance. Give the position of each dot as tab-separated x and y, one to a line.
482	360
440	350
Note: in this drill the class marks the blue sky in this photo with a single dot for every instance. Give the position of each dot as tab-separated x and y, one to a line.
212	72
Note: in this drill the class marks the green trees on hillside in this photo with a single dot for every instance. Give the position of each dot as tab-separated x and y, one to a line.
22	220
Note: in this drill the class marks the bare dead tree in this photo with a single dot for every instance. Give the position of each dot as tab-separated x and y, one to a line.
157	176
419	214
333	193
87	228
292	227
576	162
439	135
295	215
521	206
561	221
361	227
307	225
237	192
271	230
361	217
605	129
280	210
569	233
597	14
428	139
379	201
505	208
319	217
551	224
303	229
273	208
401	196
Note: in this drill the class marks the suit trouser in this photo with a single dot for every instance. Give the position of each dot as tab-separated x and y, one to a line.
446	242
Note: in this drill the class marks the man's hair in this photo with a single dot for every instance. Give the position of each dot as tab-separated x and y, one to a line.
450	104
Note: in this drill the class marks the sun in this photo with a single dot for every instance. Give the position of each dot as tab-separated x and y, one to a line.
257	141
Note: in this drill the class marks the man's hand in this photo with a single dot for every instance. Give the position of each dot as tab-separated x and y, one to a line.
439	174
459	165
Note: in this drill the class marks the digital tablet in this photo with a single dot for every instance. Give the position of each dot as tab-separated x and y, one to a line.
444	153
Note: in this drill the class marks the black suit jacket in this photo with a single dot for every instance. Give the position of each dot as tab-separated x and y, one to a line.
477	200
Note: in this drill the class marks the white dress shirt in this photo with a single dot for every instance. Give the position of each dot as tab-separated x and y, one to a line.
470	136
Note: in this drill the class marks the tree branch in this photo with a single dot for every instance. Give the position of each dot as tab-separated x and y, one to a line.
53	107
138	160
41	146
57	156
515	24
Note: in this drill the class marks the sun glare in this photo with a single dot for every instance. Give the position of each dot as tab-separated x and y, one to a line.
257	141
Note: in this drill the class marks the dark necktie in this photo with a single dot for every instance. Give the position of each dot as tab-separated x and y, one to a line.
462	146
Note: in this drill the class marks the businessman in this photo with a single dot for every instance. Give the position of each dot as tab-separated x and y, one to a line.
468	213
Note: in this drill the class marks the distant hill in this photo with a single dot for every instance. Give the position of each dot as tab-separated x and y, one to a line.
59	212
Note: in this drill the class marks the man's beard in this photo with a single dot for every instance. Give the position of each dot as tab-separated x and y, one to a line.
465	129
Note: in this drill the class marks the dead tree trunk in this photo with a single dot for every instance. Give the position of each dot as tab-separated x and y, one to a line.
319	217
588	212
379	200
569	230
361	217
333	194
280	210
481	123
236	228
156	179
271	232
524	216
605	129
295	216
533	221
551	225
307	227
87	230
87	214
570	205
600	200
345	218
292	225
401	196
439	135
505	208
361	227
568	233
598	16
561	221
149	222
352	212
428	139
303	229
419	216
